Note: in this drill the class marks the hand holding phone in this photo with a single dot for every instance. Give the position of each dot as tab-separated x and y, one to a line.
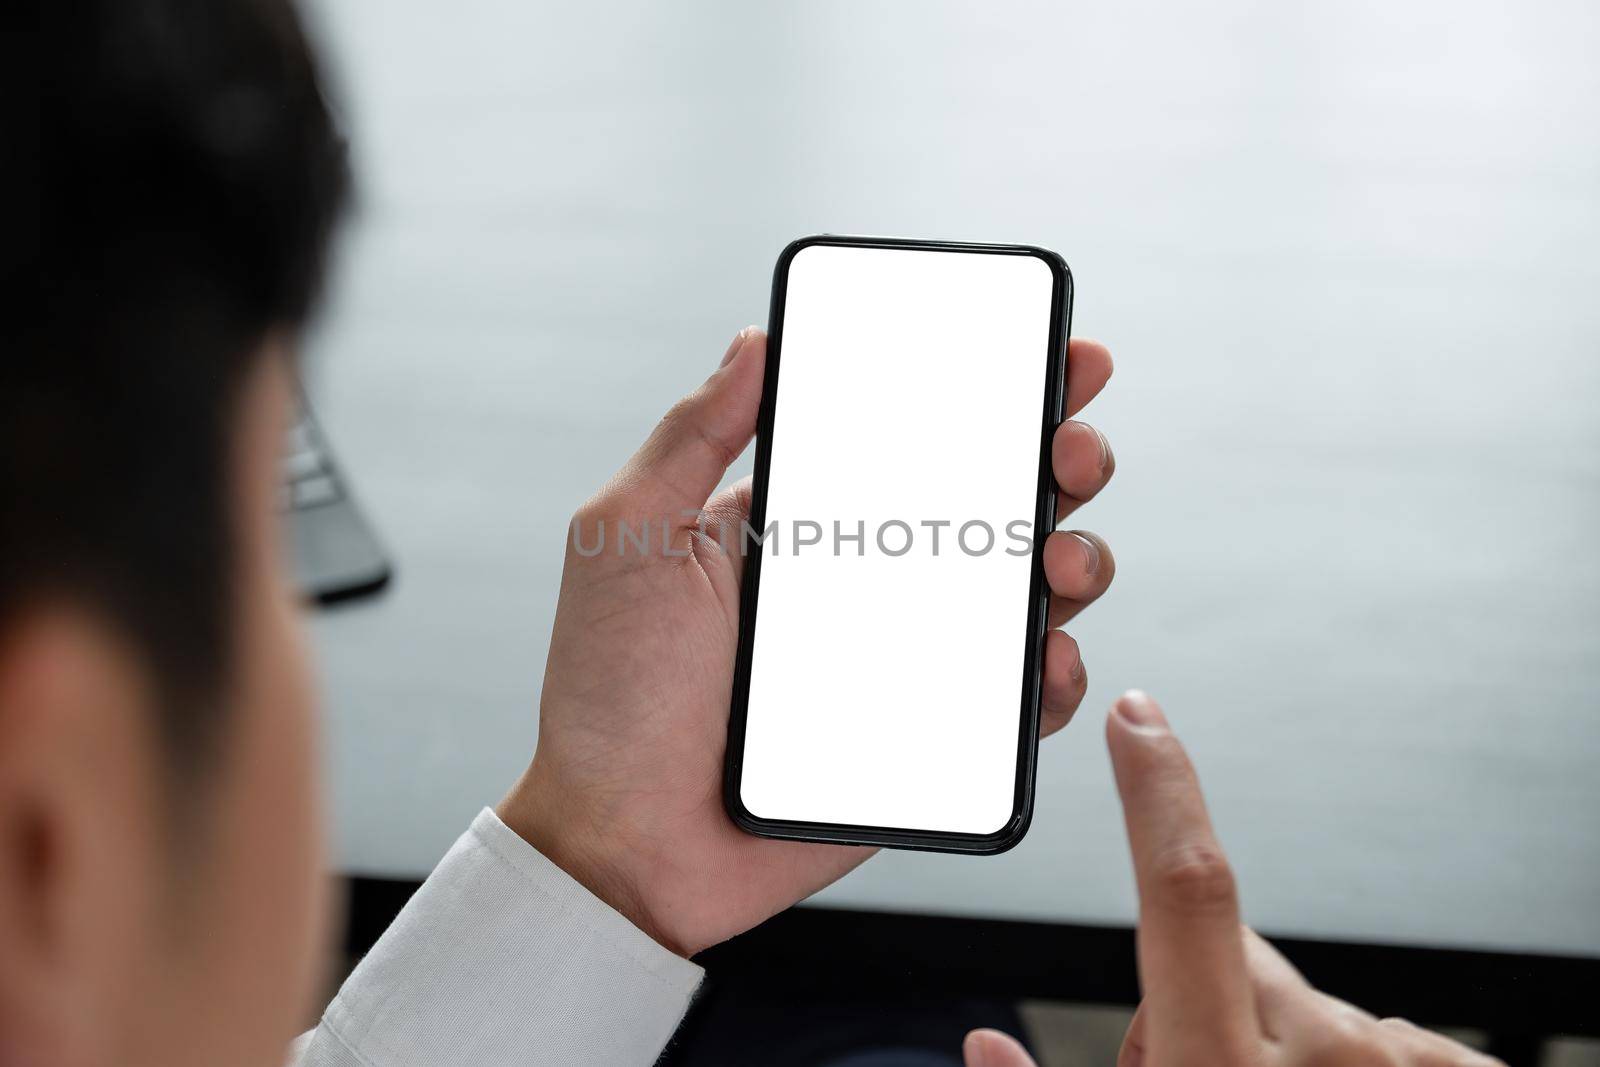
625	788
894	620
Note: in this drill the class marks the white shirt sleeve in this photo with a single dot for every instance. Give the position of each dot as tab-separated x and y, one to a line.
502	958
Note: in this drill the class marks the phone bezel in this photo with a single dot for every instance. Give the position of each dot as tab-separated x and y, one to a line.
1039	594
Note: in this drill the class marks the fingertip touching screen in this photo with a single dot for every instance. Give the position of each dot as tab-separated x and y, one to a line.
889	654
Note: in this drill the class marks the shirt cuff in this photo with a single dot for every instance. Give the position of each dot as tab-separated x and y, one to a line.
502	958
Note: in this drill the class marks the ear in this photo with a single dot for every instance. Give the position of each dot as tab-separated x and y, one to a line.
80	819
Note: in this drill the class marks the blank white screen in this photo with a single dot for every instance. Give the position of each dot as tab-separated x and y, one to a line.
886	690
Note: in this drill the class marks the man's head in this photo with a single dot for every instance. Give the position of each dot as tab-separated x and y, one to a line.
179	180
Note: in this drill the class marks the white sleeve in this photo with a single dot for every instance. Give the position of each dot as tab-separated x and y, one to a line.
502	958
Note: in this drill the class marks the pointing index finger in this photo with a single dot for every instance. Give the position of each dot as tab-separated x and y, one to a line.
1191	954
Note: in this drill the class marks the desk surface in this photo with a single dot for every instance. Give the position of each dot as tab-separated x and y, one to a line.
1343	255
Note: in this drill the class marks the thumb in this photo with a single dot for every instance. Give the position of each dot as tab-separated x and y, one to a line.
992	1048
690	450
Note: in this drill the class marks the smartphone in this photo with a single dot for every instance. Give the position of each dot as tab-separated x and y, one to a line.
893	613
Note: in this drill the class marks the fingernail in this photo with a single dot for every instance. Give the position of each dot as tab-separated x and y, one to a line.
1136	708
1091	553
1099	441
1077	667
975	1049
737	346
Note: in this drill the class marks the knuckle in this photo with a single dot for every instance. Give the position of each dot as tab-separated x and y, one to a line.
1427	1048
1380	1052
1346	1040
597	509
1337	1035
598	520
685	422
678	415
1162	757
1398	1041
673	425
1196	878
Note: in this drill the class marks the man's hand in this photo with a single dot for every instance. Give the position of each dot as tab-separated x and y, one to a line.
1215	994
625	789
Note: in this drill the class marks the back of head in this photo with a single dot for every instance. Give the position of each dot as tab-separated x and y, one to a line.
172	178
175	176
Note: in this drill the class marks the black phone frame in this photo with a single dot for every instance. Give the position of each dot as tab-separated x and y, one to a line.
1039	594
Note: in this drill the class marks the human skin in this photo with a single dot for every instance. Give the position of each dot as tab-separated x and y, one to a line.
1215	993
146	919
625	788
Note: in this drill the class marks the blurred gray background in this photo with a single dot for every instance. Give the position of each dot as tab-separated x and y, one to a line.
1344	256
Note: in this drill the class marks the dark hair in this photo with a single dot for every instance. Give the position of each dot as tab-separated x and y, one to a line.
177	208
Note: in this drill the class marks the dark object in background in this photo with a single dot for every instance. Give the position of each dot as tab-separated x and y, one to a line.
736	1023
334	553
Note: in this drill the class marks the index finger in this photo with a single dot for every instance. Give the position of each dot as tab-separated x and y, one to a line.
1088	370
1191	955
